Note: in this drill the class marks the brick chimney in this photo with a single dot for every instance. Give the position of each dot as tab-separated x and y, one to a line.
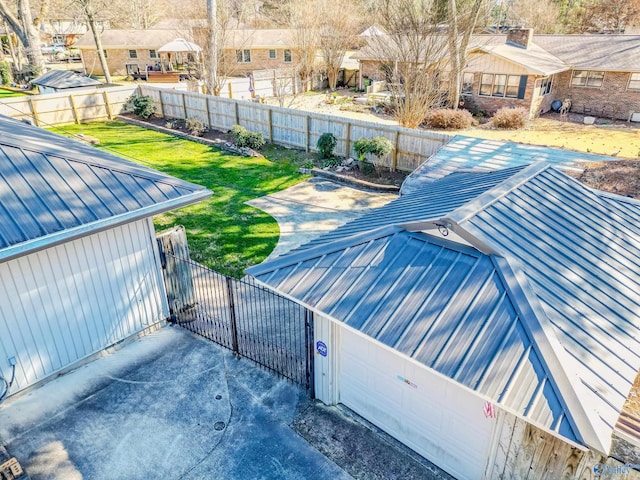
520	37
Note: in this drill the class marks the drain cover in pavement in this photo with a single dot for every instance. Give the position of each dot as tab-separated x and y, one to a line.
218	426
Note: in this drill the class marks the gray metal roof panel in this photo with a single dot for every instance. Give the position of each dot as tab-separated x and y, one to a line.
436	301
50	184
63	79
489	155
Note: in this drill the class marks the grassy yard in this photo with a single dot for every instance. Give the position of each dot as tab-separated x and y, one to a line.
224	233
4	93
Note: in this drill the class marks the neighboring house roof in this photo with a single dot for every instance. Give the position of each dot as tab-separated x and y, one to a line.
534	58
179	45
64	79
487	155
594	52
565	258
111	39
53	189
547	54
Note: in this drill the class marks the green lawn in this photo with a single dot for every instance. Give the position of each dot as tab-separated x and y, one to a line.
223	232
4	93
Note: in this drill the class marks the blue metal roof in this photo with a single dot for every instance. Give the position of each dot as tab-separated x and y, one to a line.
63	79
479	154
568	259
438	302
52	187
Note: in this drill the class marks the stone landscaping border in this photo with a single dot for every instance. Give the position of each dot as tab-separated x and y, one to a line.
355	182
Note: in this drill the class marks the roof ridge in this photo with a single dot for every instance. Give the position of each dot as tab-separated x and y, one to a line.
551	354
491	196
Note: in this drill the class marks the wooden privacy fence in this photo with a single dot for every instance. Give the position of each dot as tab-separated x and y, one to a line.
297	128
65	108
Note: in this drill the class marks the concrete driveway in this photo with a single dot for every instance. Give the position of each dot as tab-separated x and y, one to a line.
314	207
170	405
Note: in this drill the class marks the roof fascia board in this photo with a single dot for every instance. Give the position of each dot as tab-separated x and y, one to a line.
445	378
288	260
491	196
549	350
53	239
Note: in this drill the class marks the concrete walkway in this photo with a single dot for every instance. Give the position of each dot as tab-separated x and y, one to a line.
314	207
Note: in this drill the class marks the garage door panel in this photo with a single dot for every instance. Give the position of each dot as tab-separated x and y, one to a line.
433	416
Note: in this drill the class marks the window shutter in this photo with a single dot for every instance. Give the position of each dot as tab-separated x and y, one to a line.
523	86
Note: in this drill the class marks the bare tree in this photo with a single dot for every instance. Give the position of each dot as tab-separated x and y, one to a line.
90	9
304	19
604	15
462	19
542	15
410	57
138	14
21	22
338	31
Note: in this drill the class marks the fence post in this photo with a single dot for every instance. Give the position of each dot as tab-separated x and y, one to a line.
232	316
270	125
74	109
394	153
347	153
237	111
206	109
308	133
107	104
34	112
184	104
308	336
230	90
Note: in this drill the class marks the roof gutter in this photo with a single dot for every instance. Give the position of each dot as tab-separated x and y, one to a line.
53	239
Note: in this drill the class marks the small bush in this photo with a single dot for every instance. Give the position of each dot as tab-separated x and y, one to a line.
380	146
143	105
332	162
449	119
326	145
5	73
195	127
245	138
510	118
361	147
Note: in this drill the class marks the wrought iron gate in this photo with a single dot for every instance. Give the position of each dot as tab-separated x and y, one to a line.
249	319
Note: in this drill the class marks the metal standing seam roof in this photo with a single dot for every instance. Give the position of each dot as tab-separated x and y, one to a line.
53	188
567	258
485	155
62	79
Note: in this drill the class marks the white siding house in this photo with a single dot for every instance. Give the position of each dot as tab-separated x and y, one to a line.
79	266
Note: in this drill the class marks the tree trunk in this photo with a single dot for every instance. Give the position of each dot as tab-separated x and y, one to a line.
212	58
452	38
22	26
96	37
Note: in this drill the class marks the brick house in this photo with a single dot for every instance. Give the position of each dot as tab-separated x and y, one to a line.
245	50
600	74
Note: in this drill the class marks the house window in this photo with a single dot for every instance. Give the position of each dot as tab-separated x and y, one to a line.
634	81
493	85
287	56
272	55
133	54
587	78
153	54
243	56
545	86
59	39
467	84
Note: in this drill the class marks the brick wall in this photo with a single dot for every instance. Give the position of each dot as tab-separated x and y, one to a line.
490	105
612	99
116	60
259	61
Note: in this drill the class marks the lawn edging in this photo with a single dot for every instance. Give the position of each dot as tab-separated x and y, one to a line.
355	182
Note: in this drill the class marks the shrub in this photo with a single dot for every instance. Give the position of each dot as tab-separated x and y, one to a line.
326	145
331	162
449	119
143	105
361	147
376	146
380	146
245	138
5	73
195	127
510	118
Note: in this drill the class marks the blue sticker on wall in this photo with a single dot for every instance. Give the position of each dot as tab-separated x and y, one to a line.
321	347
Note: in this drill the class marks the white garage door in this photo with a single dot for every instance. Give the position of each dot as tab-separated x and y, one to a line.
437	419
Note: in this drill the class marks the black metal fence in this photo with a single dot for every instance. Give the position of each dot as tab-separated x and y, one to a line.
249	319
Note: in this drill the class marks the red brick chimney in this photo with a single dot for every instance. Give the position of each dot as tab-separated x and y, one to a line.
520	37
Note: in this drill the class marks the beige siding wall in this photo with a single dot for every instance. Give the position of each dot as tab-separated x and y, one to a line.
485	63
65	303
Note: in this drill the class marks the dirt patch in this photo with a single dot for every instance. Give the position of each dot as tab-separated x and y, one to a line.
179	126
620	177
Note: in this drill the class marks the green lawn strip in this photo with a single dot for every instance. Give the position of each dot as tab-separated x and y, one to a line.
223	232
4	93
